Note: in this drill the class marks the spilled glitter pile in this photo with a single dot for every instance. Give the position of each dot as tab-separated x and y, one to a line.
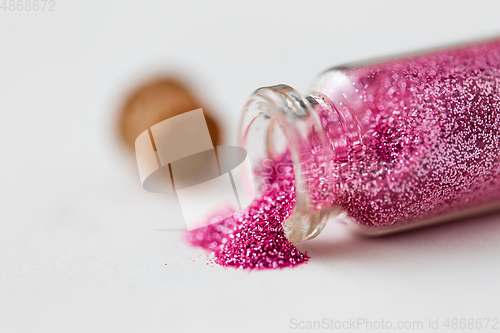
255	238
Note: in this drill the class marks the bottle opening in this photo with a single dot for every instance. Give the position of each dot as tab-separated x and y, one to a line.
277	121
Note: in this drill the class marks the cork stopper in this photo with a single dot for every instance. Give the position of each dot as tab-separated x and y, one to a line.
154	102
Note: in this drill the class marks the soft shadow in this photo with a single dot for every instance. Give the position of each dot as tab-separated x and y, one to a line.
458	238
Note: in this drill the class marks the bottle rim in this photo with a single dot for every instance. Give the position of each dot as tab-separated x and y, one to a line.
276	119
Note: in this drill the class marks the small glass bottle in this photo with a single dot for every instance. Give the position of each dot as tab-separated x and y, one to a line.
389	145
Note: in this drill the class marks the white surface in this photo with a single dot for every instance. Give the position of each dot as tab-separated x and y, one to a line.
79	247
202	200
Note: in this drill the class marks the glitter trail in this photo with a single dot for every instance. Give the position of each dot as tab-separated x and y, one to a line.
255	239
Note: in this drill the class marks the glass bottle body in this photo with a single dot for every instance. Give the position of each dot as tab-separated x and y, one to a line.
388	146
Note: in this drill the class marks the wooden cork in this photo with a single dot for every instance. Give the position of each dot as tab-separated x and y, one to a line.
154	102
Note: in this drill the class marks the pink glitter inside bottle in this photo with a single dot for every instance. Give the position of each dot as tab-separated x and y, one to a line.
390	145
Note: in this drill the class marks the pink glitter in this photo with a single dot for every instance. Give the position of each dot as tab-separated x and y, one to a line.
426	139
419	138
255	239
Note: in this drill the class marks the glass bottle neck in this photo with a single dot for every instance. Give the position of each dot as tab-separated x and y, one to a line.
276	121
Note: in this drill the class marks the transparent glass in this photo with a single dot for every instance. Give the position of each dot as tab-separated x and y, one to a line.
387	146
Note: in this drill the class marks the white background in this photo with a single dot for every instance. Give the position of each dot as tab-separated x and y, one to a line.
80	249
